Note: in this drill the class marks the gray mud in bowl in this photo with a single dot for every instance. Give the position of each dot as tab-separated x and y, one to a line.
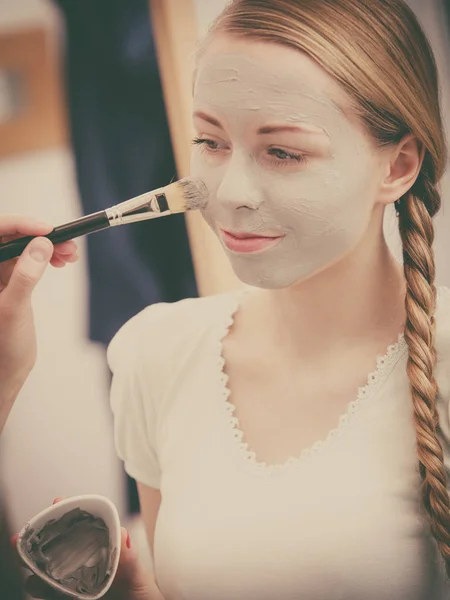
75	551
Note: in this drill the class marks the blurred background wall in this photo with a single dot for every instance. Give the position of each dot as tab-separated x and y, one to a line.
49	446
59	438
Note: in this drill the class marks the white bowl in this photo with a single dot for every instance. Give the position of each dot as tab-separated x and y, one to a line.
98	506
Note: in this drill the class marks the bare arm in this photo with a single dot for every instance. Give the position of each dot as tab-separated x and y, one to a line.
17	281
150	500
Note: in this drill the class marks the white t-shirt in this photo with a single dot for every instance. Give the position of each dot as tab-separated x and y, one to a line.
342	522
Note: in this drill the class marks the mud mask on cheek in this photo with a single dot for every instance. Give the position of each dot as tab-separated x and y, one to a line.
321	207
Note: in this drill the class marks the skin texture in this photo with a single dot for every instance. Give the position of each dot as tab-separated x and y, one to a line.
321	201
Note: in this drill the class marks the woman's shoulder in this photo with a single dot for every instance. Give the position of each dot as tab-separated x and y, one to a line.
167	327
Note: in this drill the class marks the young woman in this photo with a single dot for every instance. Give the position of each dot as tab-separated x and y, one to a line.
276	455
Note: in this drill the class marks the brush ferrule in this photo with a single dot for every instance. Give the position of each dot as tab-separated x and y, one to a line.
144	207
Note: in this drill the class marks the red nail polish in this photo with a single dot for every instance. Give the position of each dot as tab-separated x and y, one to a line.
128	542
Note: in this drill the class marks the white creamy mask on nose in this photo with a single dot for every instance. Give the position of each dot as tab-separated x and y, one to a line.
320	207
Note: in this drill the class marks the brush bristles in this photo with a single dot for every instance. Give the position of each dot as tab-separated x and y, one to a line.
186	194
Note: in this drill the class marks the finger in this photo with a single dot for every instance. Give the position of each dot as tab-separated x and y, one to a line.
6	270
132	575
28	271
8	238
67	258
58	499
72	259
20	225
66	248
128	558
130	570
57	262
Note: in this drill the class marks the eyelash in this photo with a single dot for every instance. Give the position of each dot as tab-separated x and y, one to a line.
290	156
206	142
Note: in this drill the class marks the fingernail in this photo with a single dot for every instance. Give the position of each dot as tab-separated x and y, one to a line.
128	542
41	250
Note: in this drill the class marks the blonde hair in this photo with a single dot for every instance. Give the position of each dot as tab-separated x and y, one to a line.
378	53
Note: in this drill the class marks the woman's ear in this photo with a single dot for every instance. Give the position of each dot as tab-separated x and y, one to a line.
403	167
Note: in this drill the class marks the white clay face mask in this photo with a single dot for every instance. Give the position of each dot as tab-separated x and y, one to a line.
310	186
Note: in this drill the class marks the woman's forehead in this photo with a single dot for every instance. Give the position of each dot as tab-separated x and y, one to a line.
246	87
266	66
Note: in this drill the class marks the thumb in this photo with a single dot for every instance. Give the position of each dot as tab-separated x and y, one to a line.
28	270
131	571
129	564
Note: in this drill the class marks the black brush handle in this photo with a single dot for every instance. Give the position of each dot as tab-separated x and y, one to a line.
63	233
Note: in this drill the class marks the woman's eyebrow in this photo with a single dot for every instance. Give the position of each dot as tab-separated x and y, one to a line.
309	129
208	119
305	128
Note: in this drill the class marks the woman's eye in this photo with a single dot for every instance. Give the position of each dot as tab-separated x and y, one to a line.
284	156
210	144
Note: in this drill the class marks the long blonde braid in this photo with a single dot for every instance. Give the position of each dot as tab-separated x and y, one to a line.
415	213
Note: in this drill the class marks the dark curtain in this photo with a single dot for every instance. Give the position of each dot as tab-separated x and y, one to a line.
447	11
122	148
11	583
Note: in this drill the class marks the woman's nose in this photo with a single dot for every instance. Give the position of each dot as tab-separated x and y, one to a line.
238	188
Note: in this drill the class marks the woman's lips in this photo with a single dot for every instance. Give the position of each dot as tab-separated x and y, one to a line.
248	243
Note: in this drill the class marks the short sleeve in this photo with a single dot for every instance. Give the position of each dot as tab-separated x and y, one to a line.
132	401
149	358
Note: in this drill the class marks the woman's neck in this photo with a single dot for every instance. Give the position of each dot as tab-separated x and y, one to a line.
359	299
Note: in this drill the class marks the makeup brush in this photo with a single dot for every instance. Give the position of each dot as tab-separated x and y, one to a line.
178	197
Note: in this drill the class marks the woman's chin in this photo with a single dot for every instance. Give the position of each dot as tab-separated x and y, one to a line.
263	281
